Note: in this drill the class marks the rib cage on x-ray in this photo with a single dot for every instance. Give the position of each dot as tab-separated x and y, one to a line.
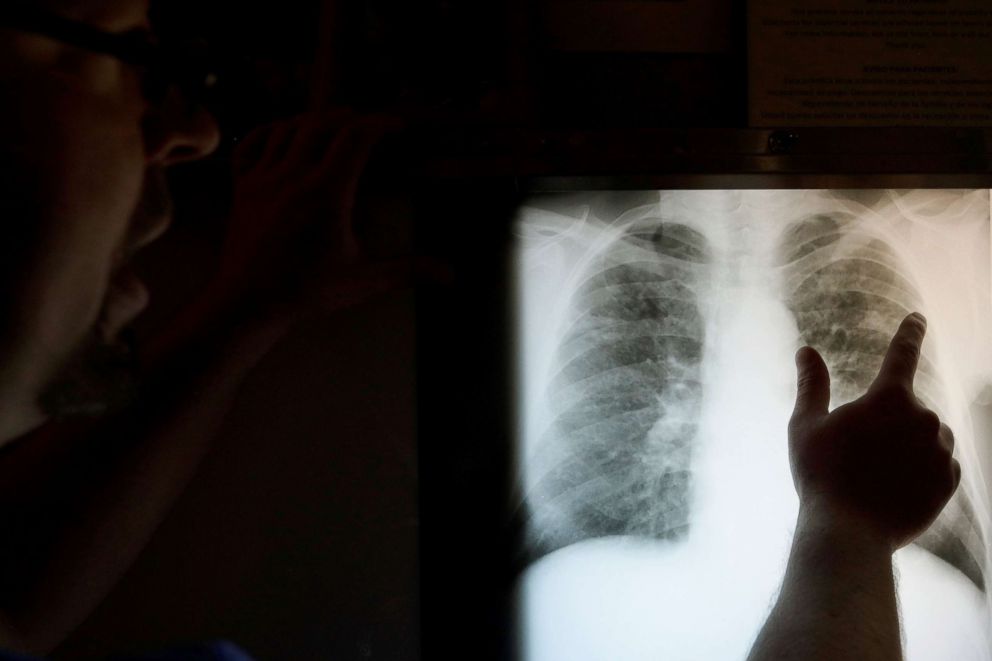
626	388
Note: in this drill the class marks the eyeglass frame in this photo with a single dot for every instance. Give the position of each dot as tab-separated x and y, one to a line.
165	65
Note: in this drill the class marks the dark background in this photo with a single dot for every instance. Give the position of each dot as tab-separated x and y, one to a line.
318	527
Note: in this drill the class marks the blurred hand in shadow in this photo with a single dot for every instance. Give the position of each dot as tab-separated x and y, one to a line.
292	248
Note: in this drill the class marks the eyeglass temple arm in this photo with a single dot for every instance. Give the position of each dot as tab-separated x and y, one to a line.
74	33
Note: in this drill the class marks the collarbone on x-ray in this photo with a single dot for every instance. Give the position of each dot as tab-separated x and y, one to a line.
663	309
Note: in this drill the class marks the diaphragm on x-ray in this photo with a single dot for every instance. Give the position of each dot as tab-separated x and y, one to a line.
657	332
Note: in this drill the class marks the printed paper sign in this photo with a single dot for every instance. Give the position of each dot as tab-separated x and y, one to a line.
870	62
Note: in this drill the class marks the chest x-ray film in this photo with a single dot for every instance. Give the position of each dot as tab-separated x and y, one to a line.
657	334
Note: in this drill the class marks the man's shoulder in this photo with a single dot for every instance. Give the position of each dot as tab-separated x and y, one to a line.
10	656
221	650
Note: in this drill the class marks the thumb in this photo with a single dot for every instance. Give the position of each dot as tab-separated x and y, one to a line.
813	380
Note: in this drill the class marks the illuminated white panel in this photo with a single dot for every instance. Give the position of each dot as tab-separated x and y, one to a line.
656	377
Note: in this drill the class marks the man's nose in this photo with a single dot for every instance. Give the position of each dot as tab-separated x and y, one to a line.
178	131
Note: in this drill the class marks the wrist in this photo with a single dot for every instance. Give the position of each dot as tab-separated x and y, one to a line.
840	559
842	528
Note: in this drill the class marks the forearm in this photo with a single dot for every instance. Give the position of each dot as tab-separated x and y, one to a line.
117	506
837	601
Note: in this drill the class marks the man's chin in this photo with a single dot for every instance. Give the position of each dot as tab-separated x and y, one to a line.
98	379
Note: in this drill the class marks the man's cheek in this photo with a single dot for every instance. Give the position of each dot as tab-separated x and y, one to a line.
67	295
96	139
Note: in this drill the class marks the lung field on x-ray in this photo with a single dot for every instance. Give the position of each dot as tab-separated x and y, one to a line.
626	390
848	289
625	395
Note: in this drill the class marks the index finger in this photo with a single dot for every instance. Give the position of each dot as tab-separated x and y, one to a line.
903	356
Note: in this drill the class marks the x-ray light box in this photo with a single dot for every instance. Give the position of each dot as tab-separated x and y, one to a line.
655	335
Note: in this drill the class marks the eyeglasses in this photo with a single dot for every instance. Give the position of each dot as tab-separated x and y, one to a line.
186	65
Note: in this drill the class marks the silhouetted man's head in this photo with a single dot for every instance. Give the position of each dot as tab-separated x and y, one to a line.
83	151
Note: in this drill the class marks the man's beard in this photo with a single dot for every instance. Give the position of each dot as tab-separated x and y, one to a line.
99	378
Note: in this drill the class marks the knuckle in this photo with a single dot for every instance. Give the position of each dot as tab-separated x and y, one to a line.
894	397
929	423
908	348
939	456
946	437
907	341
949	479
